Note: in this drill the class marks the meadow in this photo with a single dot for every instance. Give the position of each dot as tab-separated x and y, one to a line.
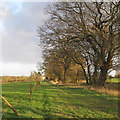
113	80
57	101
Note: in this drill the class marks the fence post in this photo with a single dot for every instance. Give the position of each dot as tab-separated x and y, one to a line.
10	105
30	91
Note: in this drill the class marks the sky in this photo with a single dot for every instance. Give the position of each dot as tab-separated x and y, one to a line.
19	50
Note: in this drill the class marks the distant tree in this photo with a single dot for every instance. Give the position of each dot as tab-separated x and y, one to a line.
58	63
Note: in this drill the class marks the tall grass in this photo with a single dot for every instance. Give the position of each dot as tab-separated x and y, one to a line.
106	91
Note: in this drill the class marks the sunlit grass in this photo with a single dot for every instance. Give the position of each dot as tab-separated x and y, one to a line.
57	101
113	80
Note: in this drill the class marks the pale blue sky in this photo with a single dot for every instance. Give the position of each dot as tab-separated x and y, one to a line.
20	50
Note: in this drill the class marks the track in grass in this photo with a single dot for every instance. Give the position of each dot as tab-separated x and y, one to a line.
57	101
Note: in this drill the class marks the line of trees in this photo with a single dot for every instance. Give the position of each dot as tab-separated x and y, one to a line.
83	34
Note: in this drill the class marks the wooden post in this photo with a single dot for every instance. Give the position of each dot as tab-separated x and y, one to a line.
30	91
39	83
34	84
10	105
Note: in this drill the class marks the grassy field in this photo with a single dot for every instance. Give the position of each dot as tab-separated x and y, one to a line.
57	101
113	80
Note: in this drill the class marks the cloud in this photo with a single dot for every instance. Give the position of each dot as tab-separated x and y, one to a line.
15	6
20	43
3	10
19	31
16	69
37	8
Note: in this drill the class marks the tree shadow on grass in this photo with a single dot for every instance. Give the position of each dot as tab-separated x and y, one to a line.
44	113
100	101
89	99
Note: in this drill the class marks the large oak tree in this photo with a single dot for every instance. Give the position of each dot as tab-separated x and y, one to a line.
92	29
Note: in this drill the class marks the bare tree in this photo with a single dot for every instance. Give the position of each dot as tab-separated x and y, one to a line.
92	29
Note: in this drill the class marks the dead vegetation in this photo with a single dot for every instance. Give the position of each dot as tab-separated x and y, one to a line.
12	79
110	88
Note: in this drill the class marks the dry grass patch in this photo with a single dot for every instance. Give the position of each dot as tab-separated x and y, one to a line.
106	90
110	88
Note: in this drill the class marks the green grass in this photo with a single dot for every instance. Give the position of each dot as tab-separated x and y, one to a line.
113	80
53	101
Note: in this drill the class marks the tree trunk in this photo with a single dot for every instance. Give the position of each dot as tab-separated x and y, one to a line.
76	77
59	79
85	74
104	68
95	75
86	77
64	76
103	76
89	74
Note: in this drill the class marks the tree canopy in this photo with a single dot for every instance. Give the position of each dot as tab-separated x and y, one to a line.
89	32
